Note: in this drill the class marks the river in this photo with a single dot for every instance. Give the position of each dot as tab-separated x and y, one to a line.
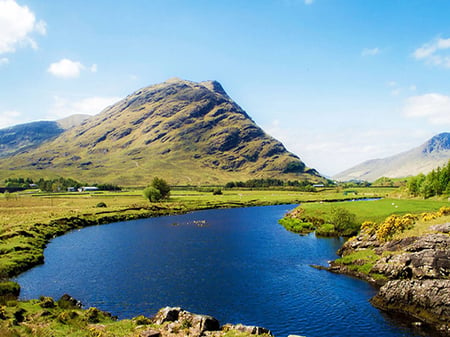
238	265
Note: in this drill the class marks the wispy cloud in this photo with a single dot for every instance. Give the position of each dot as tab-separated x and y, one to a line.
63	107
435	52
66	68
17	25
309	2
9	118
4	60
435	108
370	51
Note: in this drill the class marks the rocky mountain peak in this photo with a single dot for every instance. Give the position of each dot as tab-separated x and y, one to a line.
440	142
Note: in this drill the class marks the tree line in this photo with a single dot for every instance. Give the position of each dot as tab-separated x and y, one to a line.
55	185
272	182
435	183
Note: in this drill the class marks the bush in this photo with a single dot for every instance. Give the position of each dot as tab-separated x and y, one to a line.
296	225
152	194
326	230
344	222
101	204
217	191
394	224
46	302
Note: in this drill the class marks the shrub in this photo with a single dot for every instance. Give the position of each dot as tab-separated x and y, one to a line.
46	302
369	227
217	191
394	224
92	315
428	216
152	194
326	230
101	204
142	320
444	211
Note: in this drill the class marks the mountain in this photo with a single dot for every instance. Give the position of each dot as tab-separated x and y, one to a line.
430	155
185	132
30	135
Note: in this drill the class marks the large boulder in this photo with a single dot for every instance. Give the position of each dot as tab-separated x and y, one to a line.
426	300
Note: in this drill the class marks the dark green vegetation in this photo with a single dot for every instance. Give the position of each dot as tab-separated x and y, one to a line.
54	185
435	183
158	190
190	133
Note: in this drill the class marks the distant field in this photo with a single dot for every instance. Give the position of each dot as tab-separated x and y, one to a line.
376	210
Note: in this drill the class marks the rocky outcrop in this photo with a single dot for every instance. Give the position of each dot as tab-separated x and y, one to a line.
426	300
413	273
178	322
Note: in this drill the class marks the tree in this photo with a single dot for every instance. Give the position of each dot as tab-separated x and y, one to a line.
152	194
159	189
162	186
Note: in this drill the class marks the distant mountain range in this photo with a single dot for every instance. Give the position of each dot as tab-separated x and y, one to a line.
186	132
430	155
30	135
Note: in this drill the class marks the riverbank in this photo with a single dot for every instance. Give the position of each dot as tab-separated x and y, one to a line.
65	317
407	258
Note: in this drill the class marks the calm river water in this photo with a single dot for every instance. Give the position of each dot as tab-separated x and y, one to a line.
238	265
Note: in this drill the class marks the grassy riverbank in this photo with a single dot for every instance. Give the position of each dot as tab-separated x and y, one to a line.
345	218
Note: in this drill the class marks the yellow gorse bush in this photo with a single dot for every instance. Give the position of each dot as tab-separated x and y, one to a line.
394	224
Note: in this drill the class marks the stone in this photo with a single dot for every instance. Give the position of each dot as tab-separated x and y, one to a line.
150	333
254	330
426	300
167	314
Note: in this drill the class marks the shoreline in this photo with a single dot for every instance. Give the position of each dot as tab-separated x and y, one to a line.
411	274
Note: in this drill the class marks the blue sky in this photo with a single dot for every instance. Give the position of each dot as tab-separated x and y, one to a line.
337	81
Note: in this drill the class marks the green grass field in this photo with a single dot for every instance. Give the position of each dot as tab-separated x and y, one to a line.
376	210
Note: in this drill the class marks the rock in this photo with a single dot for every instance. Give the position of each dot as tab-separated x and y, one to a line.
167	314
181	319
443	228
254	330
426	300
416	274
150	333
66	302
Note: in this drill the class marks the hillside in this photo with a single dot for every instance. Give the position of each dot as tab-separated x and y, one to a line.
30	135
430	155
184	131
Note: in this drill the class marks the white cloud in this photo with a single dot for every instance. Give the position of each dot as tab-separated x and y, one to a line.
433	107
434	53
66	68
308	2
17	23
370	51
9	118
4	60
63	107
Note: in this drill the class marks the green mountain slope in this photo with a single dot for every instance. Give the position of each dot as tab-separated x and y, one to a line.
187	132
